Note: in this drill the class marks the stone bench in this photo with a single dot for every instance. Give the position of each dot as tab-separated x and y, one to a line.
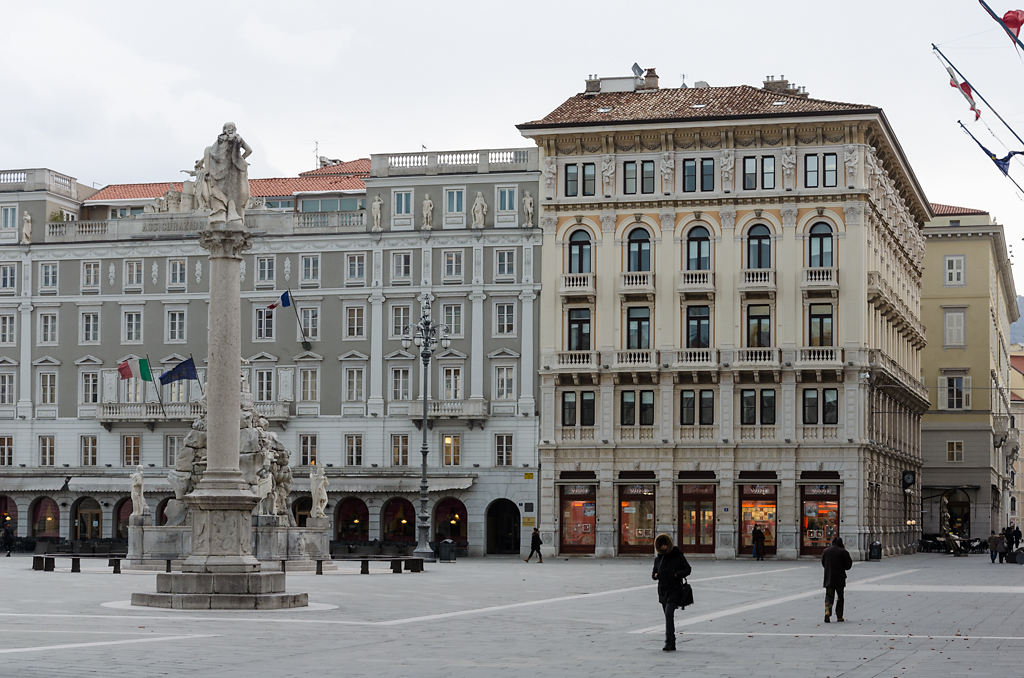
45	563
411	563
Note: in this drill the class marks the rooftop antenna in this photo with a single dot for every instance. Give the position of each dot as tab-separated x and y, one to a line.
682	81
316	153
637	71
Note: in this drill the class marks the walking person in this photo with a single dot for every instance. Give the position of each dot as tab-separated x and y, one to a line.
757	541
1016	537
670	568
993	545
1001	547
535	543
8	538
836	560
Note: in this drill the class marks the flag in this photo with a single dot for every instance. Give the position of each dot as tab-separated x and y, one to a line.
136	368
1002	163
1014	19
285	300
965	89
186	369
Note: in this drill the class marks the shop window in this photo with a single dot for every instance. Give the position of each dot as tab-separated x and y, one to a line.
758	506
636	518
578	513
697	518
819	517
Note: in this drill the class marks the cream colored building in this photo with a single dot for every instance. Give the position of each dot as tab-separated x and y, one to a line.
1017	414
730	321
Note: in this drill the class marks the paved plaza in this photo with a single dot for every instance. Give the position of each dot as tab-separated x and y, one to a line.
922	615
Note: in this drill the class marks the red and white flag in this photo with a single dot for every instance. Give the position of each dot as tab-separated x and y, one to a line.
965	89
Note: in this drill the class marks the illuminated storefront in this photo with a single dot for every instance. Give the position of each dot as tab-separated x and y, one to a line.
578	518
758	506
697	518
819	517
636	518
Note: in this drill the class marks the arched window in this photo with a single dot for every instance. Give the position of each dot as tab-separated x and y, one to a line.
698	249
820	252
352	522
759	247
579	252
45	518
639	250
450	520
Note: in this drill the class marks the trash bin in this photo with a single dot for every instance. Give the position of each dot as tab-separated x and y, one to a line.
446	551
875	551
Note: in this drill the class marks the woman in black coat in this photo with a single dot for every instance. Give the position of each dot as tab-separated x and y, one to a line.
670	568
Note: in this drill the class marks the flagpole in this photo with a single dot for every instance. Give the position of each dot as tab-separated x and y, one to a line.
202	391
156	385
302	330
1005	174
980	96
1001	23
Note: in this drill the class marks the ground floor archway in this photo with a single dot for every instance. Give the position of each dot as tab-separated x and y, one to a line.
450	521
398	521
301	508
45	518
503	524
86	519
352	520
8	513
122	511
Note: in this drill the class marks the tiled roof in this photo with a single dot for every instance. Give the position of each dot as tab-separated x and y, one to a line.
693	103
359	166
1017	363
941	210
258	188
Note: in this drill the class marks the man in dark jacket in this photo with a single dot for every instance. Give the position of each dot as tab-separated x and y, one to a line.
535	543
836	560
8	538
757	542
670	568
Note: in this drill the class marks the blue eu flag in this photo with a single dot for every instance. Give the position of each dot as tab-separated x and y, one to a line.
186	369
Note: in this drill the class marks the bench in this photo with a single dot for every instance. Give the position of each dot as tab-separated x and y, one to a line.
45	563
411	563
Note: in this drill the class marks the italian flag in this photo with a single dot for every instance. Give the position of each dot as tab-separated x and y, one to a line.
136	368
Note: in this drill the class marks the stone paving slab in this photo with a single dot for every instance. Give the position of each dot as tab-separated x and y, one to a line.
922	615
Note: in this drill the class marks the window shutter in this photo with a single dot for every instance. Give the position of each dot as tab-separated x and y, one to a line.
941	400
967	393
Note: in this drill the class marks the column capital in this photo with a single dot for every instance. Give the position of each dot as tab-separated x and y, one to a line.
476	295
228	244
527	295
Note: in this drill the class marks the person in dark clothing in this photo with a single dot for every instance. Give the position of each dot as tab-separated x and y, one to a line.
535	543
1008	538
1016	537
757	541
836	560
8	538
1001	547
993	545
670	568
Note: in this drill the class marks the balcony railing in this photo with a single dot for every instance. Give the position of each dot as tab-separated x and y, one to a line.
820	356
636	359
757	432
825	278
702	432
454	162
576	433
758	279
880	359
273	411
449	408
757	356
576	360
696	357
39	179
696	281
634	432
111	412
812	432
636	282
578	284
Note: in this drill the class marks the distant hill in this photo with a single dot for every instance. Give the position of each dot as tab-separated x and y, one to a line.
1017	328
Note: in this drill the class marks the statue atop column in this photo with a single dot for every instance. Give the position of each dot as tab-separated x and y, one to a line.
227	177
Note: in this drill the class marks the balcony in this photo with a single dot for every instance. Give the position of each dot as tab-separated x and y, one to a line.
571	433
634	433
38	179
820	278
636	284
811	432
757	358
449	409
696	283
1000	425
758	432
578	285
576	360
696	358
818	357
454	162
757	281
704	432
276	412
112	413
896	373
881	294
635	359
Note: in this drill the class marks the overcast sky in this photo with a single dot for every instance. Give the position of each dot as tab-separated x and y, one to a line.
118	92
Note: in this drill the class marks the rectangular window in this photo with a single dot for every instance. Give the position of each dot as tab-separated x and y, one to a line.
265	270
954	451
132	390
8	278
579	329
831	178
264	386
8	328
698	326
177	391
355	269
401	266
309	384
767	172
503	449
452	265
131	450
90	275
589	178
627	408
638	327
6	451
687	408
572	182
451	444
957	392
90	388
820	321
953	322
403	203
264	324
451	383
568	408
505	319
353	450
176	275
748	407
132	326
6	388
133	274
175	326
768	407
647	176
504	382
401	318
689	175
646	408
707	174
48	277
454	201
173	444
810	171
355	326
47	328
810	406
8	218
90	327
749	173
47	447
310	317
310	269
759	331
629	177
829	406
707	407
954	270
504	264
47	388
452	317
400	383
89	449
308	443
507	199
400	449
588	410
354	384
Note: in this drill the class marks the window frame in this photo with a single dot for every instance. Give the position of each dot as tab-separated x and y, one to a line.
812	177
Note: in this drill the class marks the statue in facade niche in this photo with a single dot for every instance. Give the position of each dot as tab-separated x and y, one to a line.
550	175
667	171
608	174
528	208
850	160
788	163
318	491
428	213
227	177
479	210
728	164
375	211
26	227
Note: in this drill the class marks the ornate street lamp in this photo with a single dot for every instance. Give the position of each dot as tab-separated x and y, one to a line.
425	335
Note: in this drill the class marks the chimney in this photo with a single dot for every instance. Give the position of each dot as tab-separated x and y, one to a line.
782	86
593	85
650	79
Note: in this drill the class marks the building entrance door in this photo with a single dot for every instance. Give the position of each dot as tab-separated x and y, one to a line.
89	521
503	527
697	518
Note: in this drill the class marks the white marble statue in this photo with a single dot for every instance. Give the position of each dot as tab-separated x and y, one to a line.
227	177
139	505
528	209
550	174
479	210
789	164
318	491
608	174
197	190
850	160
375	211
428	213
728	165
26	227
667	172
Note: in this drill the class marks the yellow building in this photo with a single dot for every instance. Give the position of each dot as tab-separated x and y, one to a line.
968	443
730	330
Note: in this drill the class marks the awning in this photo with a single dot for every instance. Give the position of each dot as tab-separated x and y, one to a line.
79	485
363	485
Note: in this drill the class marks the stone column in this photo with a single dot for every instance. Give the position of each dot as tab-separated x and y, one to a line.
476	354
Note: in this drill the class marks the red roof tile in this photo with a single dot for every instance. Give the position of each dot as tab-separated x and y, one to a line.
259	188
693	103
1017	363
359	166
941	210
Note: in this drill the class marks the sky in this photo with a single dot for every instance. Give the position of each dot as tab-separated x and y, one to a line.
124	92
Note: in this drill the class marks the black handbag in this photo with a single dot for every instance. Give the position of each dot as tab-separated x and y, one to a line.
685	594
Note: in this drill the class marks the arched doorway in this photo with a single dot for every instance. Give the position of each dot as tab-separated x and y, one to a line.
122	512
301	509
45	518
352	520
86	519
398	521
959	507
502	527
450	521
8	513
